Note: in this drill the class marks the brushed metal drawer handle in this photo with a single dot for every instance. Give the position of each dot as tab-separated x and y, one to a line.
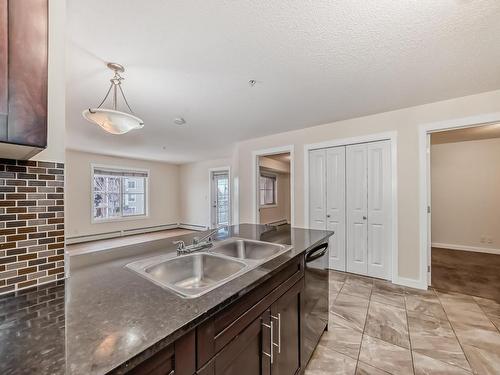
270	355
278	318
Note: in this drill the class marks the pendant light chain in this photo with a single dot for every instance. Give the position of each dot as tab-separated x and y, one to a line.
125	99
110	118
116	82
105	96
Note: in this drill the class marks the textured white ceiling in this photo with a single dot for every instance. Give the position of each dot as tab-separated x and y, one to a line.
315	62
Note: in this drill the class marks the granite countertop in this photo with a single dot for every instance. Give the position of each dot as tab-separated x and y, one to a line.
105	317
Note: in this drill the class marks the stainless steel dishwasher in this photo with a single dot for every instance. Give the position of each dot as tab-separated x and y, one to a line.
315	301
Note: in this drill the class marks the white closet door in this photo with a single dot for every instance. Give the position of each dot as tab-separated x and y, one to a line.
356	195
317	193
335	206
379	209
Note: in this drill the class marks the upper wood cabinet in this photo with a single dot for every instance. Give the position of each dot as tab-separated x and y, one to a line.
23	77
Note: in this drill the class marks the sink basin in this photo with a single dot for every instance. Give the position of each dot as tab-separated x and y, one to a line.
248	249
197	273
190	275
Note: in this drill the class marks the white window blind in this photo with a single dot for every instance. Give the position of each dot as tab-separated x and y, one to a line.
118	193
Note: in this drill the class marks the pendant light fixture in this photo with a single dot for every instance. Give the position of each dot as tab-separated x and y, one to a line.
112	120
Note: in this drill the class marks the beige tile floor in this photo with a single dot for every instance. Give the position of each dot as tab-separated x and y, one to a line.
377	328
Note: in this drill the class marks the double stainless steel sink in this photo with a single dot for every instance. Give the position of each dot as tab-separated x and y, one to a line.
195	274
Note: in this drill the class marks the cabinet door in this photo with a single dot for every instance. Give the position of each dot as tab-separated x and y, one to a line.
23	72
4	69
178	358
247	354
285	314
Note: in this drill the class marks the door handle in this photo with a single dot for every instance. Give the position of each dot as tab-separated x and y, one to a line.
316	253
328	215
364	217
270	355
278	318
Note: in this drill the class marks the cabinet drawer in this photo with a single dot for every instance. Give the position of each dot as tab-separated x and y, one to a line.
246	353
217	332
162	363
177	358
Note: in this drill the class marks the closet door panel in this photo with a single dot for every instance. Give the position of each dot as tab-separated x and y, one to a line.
317	192
379	209
356	197
335	206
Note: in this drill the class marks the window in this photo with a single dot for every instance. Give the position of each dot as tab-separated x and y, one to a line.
118	193
268	191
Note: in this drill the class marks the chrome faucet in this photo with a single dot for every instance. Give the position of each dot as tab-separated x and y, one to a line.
209	235
199	243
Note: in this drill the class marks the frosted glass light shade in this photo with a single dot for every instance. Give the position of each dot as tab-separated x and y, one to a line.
114	122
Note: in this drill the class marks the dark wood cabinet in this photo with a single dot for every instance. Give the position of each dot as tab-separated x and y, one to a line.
285	313
247	354
177	358
23	77
257	334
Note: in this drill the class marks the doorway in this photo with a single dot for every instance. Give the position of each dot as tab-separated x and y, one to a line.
351	188
274	189
220	197
273	186
464	214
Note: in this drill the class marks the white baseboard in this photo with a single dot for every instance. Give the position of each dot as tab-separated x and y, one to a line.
154	228
278	222
410	283
92	237
200	228
466	248
129	232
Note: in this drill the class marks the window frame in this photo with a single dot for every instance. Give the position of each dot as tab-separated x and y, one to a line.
93	220
269	175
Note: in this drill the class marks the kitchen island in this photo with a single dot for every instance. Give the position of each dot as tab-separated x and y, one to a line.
107	319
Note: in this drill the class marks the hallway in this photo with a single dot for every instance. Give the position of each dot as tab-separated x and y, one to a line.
474	273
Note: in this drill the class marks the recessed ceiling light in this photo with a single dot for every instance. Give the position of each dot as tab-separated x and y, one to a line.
179	121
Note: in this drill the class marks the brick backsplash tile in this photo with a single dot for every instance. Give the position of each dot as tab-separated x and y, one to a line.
31	223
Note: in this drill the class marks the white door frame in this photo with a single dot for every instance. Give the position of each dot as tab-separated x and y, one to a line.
425	181
255	180
210	208
390	136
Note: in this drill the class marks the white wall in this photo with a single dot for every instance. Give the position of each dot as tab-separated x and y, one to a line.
194	197
56	111
163	194
465	182
406	123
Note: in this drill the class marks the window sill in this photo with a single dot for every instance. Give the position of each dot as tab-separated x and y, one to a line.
269	206
125	218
